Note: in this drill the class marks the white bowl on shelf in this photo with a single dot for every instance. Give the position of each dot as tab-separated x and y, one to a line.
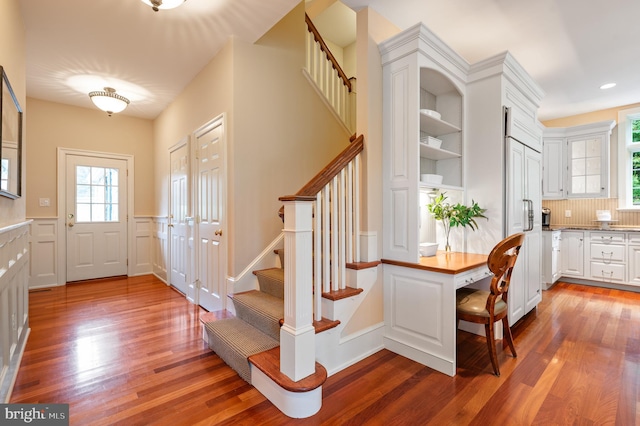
428	249
603	214
432	142
431	113
431	179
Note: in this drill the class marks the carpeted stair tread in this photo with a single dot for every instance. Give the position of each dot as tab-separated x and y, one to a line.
261	310
271	281
235	341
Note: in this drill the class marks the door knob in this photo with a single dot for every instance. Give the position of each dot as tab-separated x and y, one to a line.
70	224
170	225
218	232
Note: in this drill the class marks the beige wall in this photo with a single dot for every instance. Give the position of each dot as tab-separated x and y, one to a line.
12	59
591	117
279	132
51	125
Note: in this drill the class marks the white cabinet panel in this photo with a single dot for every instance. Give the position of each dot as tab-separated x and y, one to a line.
607	272
572	248
634	265
553	168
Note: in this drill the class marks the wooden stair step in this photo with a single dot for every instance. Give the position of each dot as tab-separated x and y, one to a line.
269	363
342	293
323	325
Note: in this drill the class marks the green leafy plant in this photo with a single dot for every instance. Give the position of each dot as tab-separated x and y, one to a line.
454	215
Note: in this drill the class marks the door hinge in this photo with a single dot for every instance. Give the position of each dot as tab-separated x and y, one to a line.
127	262
197	154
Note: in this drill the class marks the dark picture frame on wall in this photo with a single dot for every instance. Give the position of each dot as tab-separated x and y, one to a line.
10	141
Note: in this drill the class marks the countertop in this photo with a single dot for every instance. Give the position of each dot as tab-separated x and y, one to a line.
446	263
614	228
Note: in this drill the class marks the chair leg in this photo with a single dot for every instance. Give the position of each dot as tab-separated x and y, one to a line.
508	336
491	344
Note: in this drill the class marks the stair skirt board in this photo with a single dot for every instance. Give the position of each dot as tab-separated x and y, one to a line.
234	341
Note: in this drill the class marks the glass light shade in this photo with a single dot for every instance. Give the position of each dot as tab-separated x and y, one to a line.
163	4
109	101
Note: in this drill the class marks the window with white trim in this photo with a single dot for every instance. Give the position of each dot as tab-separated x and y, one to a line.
629	158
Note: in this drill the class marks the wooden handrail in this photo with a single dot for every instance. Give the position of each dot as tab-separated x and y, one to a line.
323	178
318	38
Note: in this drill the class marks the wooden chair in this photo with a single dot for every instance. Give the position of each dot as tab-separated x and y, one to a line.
487	307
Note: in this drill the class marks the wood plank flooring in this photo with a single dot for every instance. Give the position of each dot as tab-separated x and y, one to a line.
129	351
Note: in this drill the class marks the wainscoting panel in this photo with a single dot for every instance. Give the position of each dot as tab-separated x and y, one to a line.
160	247
14	302
140	259
44	270
48	263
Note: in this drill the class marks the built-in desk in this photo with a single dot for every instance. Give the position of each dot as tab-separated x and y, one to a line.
420	305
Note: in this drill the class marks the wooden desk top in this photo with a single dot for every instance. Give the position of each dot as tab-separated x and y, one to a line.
446	263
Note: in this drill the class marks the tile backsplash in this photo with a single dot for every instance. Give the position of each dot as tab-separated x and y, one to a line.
583	212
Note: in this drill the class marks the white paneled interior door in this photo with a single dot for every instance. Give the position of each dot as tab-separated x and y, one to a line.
96	217
210	207
178	226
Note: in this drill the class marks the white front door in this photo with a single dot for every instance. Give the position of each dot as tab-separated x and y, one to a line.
96	217
210	207
178	226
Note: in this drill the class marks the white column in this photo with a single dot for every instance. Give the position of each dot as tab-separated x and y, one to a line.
297	335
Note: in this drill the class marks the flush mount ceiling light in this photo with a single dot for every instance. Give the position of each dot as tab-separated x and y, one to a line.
163	4
607	86
109	101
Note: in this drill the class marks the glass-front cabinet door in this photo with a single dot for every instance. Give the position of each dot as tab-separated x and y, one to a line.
588	161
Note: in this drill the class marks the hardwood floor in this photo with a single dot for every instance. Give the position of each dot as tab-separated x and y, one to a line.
129	351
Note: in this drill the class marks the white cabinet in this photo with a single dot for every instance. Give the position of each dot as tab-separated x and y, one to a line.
551	257
505	176
553	169
607	256
572	248
576	161
418	72
633	258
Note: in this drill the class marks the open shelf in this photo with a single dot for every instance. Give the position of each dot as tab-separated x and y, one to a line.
436	127
429	186
427	151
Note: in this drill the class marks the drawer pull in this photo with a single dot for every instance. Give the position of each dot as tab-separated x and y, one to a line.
605	254
610	275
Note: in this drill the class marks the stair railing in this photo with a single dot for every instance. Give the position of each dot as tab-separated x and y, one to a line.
330	79
321	223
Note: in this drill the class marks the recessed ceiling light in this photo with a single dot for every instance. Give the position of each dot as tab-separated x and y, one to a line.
607	86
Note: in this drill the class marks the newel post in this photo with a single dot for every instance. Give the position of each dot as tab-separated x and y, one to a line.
297	334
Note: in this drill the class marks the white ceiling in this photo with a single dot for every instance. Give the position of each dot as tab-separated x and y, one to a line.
570	47
76	46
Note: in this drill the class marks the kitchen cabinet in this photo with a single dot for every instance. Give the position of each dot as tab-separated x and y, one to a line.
504	174
553	168
572	248
576	161
633	262
551	257
607	256
419	73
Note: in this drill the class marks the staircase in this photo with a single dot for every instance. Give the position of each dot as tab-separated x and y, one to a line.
271	341
279	331
256	326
